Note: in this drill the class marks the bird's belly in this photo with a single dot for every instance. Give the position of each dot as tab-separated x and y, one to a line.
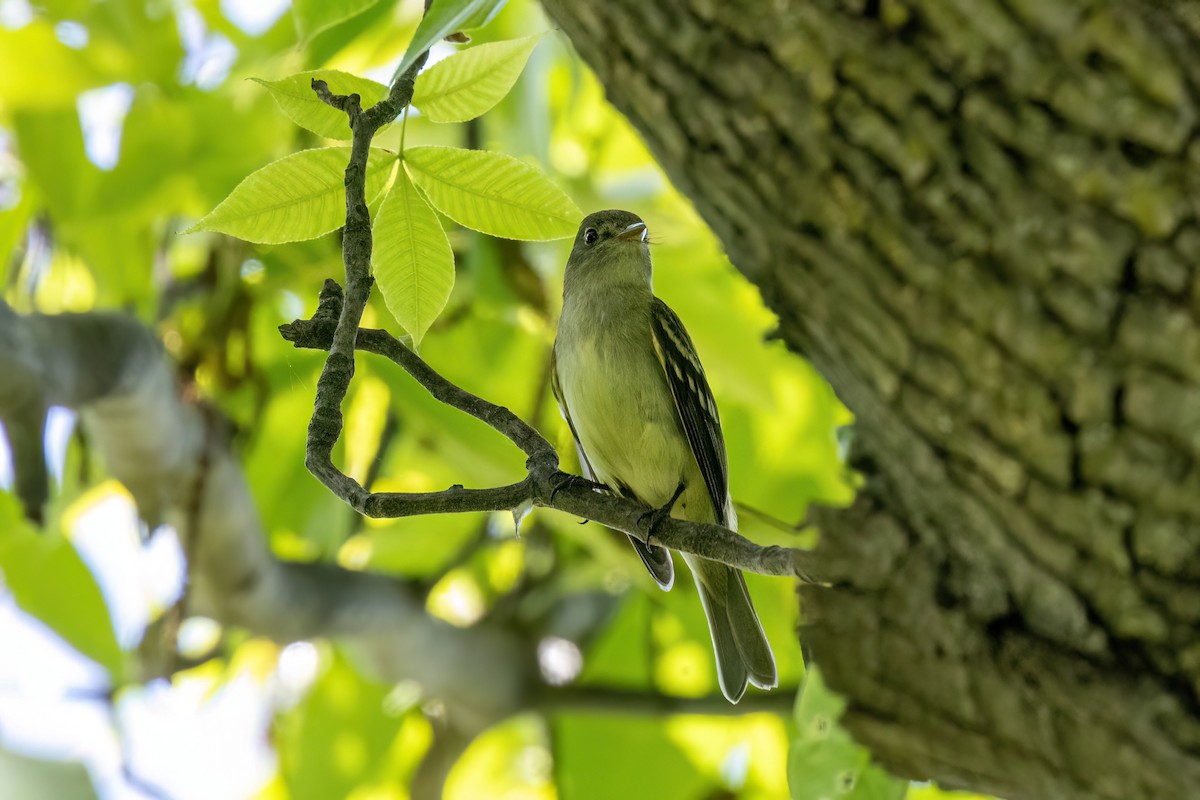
628	429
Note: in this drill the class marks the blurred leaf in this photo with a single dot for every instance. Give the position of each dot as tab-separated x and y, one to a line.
621	655
22	776
412	262
300	103
314	16
471	82
370	40
419	546
605	756
337	737
443	18
301	196
492	193
120	253
51	582
50	143
746	753
34	50
511	760
366	419
13	224
824	761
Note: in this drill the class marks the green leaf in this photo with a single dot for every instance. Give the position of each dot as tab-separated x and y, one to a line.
301	196
824	761
443	18
651	763
13	224
493	193
412	262
296	98
471	82
51	582
337	737
314	16
32	51
25	776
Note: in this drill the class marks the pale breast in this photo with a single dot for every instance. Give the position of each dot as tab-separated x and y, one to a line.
623	412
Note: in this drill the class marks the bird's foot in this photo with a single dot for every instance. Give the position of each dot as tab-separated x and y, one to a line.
565	480
656	516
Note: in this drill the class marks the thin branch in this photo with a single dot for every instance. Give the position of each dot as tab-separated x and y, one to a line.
325	427
545	485
318	334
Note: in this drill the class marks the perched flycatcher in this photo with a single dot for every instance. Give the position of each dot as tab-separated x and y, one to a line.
631	387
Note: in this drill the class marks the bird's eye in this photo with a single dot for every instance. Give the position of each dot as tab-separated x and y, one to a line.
590	236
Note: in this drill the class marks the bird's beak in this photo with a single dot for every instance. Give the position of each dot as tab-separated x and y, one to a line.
635	231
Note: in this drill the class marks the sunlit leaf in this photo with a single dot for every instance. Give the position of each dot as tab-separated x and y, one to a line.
296	98
824	761
493	193
471	82
639	759
510	760
51	582
314	16
337	736
39	72
443	18
366	422
745	753
412	262
301	196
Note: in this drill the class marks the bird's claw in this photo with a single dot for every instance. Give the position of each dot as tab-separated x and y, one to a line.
657	516
566	480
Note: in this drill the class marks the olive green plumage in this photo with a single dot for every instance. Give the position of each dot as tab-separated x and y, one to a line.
631	387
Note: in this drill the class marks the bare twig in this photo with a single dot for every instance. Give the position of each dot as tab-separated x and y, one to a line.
326	424
544	485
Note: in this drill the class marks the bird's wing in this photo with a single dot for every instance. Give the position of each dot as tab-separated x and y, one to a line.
694	402
588	472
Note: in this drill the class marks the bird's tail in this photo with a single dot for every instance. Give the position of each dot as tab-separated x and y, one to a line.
743	652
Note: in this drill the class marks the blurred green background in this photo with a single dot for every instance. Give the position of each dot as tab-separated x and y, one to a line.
123	122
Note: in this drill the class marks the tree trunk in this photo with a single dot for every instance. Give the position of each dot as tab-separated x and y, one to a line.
978	219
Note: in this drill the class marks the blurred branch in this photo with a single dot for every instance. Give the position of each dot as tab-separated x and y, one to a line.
544	485
430	777
113	370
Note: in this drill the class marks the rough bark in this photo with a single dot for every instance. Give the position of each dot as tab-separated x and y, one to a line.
978	219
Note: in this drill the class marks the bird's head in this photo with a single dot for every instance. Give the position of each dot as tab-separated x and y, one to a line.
610	247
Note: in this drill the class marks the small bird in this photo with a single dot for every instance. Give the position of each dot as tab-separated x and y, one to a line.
631	388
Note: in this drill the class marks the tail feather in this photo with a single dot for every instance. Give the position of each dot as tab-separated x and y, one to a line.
731	670
747	630
742	652
658	561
